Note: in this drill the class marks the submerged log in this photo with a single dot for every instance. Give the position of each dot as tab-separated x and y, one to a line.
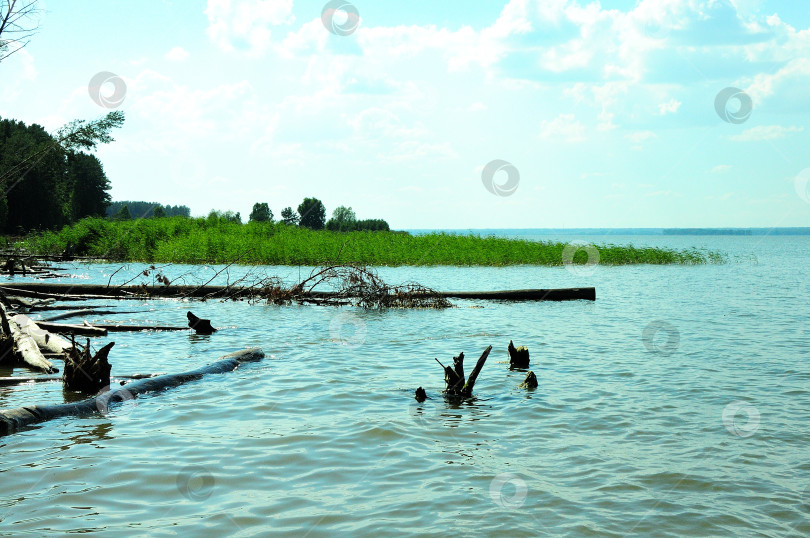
97	291
85	373
135	328
8	381
12	420
200	326
518	357
454	377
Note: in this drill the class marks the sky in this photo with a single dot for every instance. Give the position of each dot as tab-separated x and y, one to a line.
451	114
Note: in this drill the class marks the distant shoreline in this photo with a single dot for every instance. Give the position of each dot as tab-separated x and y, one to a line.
619	231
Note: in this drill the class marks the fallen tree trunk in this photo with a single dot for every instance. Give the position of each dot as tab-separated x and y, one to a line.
12	420
97	291
64	328
21	346
47	342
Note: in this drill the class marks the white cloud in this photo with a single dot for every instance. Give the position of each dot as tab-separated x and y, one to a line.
640	136
765	132
564	127
177	54
245	25
670	107
721	169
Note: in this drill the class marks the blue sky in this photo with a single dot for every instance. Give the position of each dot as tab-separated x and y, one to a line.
607	110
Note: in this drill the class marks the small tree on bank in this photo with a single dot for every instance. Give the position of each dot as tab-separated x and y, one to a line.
313	214
159	212
123	214
261	213
289	216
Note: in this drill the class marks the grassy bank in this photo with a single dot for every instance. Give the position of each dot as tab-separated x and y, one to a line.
201	240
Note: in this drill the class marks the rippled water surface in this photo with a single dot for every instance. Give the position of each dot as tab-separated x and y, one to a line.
701	429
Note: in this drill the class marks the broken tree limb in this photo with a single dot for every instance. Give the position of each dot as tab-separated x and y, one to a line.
12	420
200	326
47	342
86	373
454	377
64	328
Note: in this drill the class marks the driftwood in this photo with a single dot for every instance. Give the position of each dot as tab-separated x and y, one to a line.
456	386
530	382
99	291
12	420
518	357
86	373
200	326
64	328
47	342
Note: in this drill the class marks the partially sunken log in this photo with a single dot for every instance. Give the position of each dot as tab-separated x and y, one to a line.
454	377
12	420
518	357
87	374
530	381
200	326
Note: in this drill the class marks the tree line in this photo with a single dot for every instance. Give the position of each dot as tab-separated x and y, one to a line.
145	210
311	214
46	180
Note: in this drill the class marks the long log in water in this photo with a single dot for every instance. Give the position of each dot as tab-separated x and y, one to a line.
73	291
12	420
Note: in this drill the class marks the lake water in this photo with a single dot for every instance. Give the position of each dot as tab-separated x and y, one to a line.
675	404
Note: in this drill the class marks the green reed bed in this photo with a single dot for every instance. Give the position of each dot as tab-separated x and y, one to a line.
215	240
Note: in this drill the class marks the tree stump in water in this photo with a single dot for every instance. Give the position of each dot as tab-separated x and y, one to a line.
454	377
200	326
420	395
530	381
85	373
518	357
